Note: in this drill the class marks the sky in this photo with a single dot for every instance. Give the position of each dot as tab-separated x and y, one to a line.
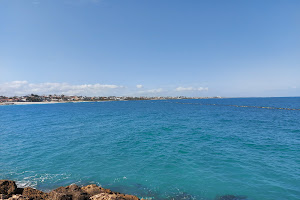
232	48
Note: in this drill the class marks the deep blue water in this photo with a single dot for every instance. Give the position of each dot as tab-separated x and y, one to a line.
159	149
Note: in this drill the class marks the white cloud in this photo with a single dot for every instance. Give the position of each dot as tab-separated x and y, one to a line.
20	88
180	89
155	90
24	88
151	91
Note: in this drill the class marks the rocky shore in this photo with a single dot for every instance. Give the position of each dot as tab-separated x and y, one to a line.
10	191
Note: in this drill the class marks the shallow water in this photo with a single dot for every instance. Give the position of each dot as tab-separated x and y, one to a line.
172	149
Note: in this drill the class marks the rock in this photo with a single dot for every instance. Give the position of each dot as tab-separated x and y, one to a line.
230	197
3	196
14	197
99	193
115	196
127	197
72	192
18	197
34	194
93	189
19	190
103	196
8	187
9	191
53	195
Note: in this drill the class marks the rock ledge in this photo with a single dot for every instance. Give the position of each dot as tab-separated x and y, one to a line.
10	191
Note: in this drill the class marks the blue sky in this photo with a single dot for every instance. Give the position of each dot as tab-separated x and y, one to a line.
232	48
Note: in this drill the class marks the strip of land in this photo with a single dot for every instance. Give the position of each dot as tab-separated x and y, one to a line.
43	102
50	99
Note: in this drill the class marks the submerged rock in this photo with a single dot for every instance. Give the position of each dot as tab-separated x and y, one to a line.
230	197
181	196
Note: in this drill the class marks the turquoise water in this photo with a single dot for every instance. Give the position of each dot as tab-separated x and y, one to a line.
178	149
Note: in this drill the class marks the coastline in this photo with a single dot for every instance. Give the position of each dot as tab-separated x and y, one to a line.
10	191
41	103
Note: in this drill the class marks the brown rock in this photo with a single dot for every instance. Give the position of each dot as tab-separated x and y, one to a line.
18	197
108	191
72	192
3	196
53	195
130	197
93	189
127	197
9	191
104	196
115	196
34	194
8	187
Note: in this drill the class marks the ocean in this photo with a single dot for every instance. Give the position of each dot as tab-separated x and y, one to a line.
157	149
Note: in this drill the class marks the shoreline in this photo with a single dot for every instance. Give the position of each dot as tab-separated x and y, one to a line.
41	103
10	191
